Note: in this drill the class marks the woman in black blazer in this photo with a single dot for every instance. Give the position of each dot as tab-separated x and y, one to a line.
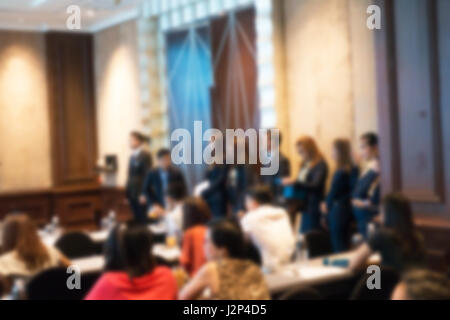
337	205
311	181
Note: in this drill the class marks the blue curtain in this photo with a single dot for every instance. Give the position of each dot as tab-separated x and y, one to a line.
190	77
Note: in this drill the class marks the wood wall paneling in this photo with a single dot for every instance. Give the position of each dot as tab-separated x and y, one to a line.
72	108
413	54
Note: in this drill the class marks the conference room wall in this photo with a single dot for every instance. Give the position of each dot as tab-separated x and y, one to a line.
118	92
329	70
25	162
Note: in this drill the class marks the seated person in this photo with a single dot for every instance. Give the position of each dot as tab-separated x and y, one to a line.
133	274
227	276
196	215
269	228
174	208
397	241
24	254
422	285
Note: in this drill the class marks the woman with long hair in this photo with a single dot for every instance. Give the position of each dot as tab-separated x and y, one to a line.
24	254
196	215
337	206
227	275
132	273
311	181
398	242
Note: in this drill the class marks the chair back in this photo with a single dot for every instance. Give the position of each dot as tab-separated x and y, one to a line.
52	285
76	245
318	243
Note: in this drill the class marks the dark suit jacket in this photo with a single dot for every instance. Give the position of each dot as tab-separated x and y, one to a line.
216	194
341	188
237	188
314	187
137	171
153	186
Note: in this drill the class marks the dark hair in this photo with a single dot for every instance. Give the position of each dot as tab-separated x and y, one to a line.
261	194
344	154
140	137
371	139
426	285
113	258
227	235
162	153
129	248
176	191
398	219
195	212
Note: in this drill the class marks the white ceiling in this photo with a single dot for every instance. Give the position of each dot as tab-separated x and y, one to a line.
45	15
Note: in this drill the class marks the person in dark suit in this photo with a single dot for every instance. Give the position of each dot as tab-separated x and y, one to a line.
158	180
216	195
338	206
140	164
311	181
366	194
241	177
274	181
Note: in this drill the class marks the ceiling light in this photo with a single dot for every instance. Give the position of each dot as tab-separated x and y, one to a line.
37	3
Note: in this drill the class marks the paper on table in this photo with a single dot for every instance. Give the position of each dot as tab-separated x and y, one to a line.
200	188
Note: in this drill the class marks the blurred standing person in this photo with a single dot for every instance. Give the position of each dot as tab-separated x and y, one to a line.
338	206
366	194
139	165
216	195
311	181
275	181
241	178
158	181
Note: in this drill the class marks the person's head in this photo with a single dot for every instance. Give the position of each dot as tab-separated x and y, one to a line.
369	146
258	196
224	239
422	285
342	154
308	150
20	235
195	213
176	192
135	250
164	160
137	139
396	214
112	251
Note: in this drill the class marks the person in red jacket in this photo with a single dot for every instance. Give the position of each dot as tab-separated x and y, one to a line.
132	273
196	215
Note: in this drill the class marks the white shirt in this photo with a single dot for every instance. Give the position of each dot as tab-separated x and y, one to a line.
174	220
270	230
11	264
